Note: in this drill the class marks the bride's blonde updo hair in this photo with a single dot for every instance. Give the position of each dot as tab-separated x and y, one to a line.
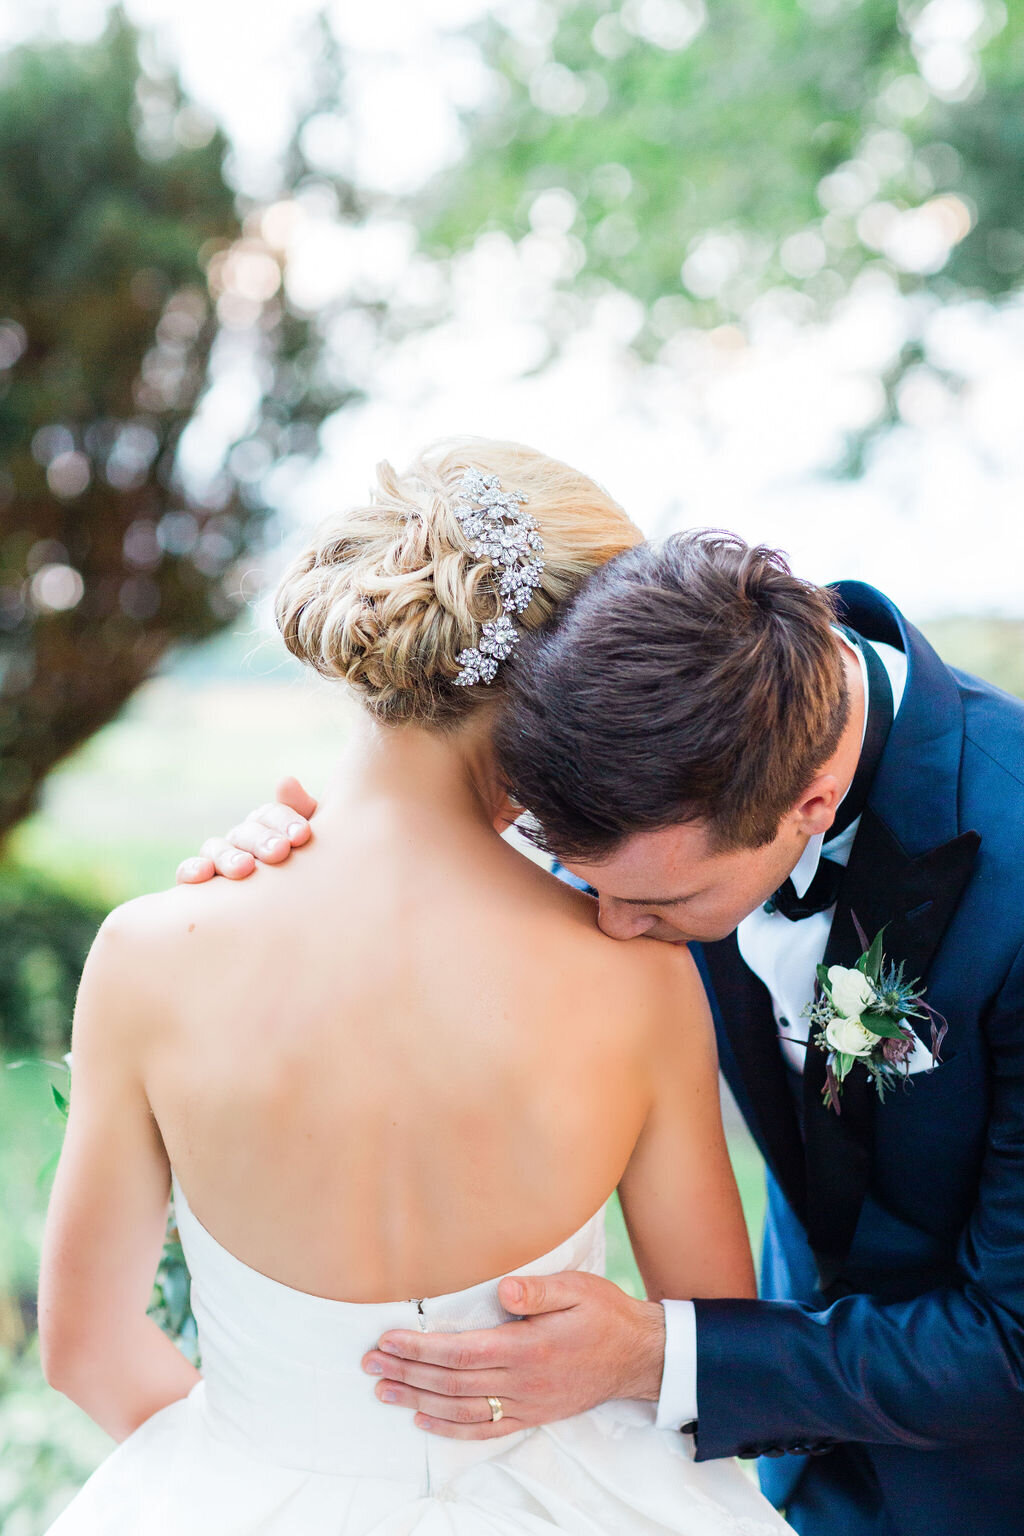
388	593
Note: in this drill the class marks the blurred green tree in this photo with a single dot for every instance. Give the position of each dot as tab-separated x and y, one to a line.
699	156
45	936
128	265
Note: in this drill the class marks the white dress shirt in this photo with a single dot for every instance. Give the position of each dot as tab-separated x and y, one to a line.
784	955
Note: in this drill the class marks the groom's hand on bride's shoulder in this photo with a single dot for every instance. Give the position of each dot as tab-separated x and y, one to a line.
580	1341
267	836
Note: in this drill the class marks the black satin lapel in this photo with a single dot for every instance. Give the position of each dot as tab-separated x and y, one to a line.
745	1013
914	899
929	894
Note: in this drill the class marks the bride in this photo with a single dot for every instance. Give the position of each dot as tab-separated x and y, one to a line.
400	1069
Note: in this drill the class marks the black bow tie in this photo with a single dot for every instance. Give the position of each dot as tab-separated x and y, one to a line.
822	893
823	890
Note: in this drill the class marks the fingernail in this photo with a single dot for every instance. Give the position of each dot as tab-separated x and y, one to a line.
515	1290
190	867
374	1368
388	1349
271	845
236	860
296	829
389	1396
425	1423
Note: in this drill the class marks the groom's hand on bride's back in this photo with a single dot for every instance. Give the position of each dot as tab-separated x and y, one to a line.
581	1341
267	835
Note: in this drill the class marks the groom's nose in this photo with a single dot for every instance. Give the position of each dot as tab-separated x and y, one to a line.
621	920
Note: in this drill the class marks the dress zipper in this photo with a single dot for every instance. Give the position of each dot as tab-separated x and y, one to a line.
422	1323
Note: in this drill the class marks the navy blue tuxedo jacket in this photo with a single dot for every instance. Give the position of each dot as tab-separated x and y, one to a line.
883	1368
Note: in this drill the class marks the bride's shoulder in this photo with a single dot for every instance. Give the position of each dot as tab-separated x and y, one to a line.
156	917
127	980
655	972
140	943
666	979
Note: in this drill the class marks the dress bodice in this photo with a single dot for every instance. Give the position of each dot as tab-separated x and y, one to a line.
284	1435
281	1367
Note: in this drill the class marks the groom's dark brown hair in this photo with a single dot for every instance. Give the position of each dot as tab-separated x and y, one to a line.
693	680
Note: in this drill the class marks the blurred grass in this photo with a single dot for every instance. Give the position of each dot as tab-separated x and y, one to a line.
181	763
989	647
47	1445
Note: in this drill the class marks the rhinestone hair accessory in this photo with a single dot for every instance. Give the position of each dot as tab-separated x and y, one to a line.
501	532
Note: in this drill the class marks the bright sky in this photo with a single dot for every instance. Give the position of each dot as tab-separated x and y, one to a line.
723	433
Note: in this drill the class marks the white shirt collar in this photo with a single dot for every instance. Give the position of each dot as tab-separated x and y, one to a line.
806	866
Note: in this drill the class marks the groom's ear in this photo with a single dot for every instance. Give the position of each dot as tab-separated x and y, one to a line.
816	809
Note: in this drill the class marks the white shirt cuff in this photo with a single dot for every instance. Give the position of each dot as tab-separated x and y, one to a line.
677	1404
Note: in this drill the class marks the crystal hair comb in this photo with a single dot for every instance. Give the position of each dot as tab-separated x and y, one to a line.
501	532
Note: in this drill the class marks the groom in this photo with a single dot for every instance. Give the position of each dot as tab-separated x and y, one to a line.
652	732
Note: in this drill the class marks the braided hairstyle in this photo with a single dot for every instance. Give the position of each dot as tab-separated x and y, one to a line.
389	592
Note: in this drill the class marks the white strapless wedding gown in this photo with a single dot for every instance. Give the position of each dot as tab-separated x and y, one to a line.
284	1436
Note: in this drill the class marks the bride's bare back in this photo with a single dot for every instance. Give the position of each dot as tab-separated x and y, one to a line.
408	1060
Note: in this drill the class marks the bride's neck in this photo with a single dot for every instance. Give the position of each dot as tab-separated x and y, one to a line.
445	774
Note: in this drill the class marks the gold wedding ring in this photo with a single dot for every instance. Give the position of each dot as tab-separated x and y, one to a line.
497	1411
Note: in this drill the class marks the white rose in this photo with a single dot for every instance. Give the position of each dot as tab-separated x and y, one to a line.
851	991
849	1037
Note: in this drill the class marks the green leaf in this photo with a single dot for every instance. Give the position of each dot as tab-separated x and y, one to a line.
844	1064
873	959
59	1099
822	973
175	1286
878	1024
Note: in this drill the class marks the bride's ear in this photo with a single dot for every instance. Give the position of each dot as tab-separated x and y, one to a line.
506	814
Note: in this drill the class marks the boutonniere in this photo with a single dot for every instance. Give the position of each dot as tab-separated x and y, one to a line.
862	1013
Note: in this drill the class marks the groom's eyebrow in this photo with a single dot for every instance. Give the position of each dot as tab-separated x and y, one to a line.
652	901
